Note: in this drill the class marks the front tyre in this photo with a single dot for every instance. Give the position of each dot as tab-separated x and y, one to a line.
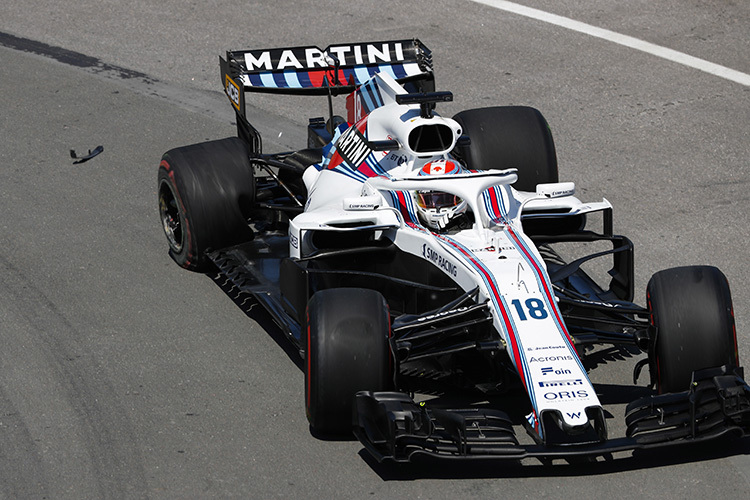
691	310
205	193
348	351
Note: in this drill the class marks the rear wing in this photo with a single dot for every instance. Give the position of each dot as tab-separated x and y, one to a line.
336	70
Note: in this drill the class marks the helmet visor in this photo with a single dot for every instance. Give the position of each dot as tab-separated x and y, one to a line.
436	199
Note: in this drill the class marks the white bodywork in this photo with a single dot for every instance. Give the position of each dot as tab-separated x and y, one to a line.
493	255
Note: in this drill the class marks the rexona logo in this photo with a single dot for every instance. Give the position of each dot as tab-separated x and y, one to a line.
353	148
549	359
561	383
313	57
566	395
440	261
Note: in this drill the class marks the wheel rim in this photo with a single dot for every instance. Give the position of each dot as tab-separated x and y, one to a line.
171	217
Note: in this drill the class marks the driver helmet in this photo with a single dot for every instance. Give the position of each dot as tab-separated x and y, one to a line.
437	208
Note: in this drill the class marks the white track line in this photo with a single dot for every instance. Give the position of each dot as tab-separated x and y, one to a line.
627	41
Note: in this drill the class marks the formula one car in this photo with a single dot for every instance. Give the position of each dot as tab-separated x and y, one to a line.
404	253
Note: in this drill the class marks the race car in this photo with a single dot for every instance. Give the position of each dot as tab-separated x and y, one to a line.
407	255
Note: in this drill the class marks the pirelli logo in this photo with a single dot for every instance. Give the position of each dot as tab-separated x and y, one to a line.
562	383
353	148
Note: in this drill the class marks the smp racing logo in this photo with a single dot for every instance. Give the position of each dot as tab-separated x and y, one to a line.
440	261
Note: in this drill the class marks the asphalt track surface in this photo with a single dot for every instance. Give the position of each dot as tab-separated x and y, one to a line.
122	376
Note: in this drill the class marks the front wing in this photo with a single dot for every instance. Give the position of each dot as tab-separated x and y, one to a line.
392	426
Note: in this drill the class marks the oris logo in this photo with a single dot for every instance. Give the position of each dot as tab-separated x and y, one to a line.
566	395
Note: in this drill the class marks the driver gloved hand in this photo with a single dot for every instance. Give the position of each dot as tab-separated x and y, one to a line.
442	221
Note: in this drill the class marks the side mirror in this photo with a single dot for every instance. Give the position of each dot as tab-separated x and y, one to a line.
556	189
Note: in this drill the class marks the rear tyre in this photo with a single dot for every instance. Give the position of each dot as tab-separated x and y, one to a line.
691	308
205	193
509	137
347	351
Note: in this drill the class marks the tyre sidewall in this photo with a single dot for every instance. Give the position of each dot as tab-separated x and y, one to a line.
187	255
691	310
347	351
215	188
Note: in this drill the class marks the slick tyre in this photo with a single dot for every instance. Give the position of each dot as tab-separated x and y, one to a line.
691	310
348	351
205	193
509	137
